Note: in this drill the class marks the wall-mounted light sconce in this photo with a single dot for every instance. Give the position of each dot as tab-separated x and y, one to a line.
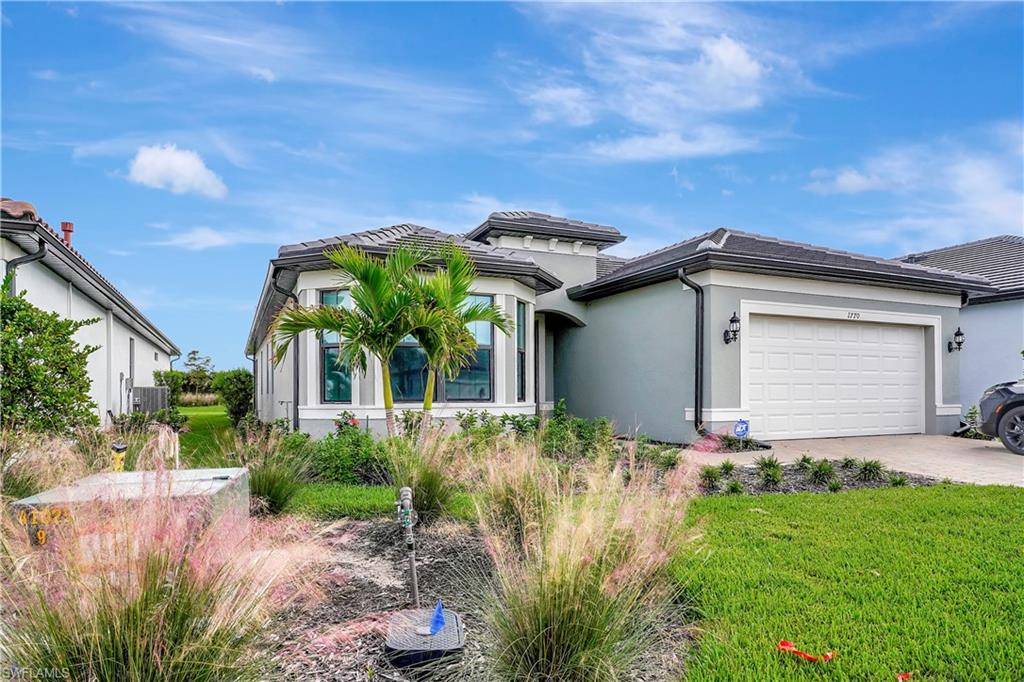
958	341
733	332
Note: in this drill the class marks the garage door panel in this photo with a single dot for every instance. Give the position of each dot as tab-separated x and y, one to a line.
817	378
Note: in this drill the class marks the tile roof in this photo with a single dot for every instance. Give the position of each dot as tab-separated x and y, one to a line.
999	259
544	225
24	213
606	265
768	254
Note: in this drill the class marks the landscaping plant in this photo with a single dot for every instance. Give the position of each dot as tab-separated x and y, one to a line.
275	472
588	599
235	389
771	476
804	462
427	467
710	476
568	437
848	463
45	385
156	589
383	296
821	472
727	467
897	481
835	485
734	487
870	470
766	462
349	455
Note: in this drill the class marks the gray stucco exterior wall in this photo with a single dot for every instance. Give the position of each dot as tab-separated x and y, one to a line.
991	354
633	362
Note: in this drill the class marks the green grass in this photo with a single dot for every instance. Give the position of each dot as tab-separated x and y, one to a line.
335	501
922	580
204	423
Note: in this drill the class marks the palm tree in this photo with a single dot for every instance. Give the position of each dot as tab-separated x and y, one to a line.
384	295
442	318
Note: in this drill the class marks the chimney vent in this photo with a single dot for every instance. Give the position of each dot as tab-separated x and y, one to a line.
67	228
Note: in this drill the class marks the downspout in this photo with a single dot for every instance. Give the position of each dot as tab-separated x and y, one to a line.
255	407
295	355
698	359
171	360
12	265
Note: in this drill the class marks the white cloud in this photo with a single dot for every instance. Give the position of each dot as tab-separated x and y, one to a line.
569	104
682	182
708	140
946	191
176	170
263	74
46	75
202	238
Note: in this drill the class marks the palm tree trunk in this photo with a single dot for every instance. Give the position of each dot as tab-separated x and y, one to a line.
428	405
389	402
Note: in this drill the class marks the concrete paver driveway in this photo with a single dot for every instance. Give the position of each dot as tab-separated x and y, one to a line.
958	459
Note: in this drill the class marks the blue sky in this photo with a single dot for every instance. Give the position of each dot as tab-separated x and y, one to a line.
188	141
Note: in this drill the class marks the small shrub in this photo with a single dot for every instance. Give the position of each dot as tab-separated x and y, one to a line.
730	443
898	481
870	470
516	494
835	485
804	462
235	389
821	472
349	456
727	467
171	417
520	424
771	476
766	462
575	437
848	463
409	421
710	476
734	487
426	469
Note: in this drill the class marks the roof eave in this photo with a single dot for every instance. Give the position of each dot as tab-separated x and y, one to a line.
567	232
57	251
741	263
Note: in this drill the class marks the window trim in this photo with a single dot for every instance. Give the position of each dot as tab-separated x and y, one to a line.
322	347
521	351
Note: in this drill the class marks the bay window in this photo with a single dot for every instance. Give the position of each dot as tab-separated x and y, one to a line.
473	384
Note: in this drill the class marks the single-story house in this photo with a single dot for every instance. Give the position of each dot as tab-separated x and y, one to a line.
57	278
801	340
993	321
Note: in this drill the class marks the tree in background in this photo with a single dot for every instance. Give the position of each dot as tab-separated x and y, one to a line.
235	388
174	380
383	299
46	383
198	373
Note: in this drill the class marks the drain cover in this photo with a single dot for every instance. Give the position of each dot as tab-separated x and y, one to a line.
409	641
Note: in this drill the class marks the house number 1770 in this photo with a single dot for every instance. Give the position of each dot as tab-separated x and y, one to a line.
852	316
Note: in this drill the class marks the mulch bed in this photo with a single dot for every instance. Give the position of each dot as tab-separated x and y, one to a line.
795	480
341	635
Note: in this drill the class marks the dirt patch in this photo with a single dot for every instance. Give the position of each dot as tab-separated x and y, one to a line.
795	480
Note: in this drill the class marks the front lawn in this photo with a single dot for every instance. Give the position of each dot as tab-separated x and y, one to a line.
204	425
925	580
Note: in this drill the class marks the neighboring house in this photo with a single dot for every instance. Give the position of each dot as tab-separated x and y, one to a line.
992	322
828	343
63	282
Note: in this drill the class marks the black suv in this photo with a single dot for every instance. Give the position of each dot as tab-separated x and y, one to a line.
1002	414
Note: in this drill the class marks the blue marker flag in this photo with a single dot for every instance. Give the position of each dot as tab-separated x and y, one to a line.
437	622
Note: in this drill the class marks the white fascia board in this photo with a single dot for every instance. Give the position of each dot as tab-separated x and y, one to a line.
812	287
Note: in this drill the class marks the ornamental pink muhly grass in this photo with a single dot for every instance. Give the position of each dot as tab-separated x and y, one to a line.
154	587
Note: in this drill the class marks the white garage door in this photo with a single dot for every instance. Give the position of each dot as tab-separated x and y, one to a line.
812	378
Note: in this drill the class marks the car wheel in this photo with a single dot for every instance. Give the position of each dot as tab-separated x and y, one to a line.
1011	430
